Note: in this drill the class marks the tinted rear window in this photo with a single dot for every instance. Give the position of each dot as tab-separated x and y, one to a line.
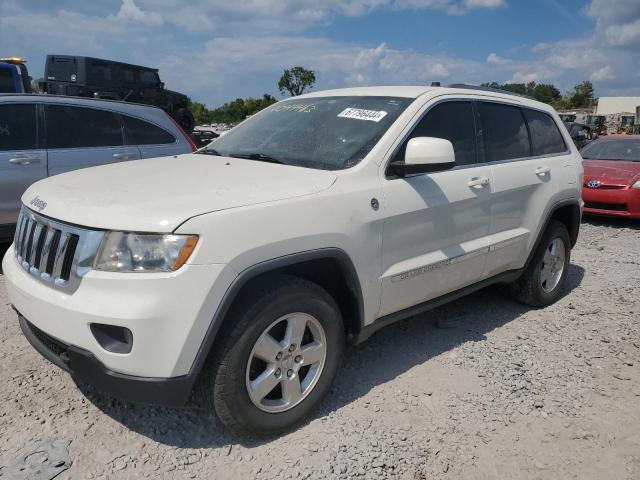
505	132
6	81
140	132
61	69
79	127
17	127
545	136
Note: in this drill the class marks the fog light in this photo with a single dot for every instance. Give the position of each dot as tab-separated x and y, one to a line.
112	338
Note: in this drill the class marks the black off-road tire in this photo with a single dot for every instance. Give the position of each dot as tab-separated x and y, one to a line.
222	383
528	288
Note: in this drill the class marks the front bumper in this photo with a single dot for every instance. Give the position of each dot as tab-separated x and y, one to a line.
615	202
167	314
85	367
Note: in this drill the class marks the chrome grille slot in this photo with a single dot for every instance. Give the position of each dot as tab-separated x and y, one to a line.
55	253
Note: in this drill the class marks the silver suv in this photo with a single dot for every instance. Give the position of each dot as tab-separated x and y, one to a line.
43	135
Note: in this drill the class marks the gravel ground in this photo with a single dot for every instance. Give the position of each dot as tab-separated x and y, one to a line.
483	388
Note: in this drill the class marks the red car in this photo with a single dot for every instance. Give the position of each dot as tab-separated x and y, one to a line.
612	176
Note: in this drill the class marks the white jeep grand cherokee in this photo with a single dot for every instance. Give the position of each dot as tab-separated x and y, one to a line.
244	268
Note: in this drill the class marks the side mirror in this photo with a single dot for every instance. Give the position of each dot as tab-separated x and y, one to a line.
161	85
425	155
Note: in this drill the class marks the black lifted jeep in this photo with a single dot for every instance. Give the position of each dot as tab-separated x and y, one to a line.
98	78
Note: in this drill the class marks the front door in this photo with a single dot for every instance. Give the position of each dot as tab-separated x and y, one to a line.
21	161
434	238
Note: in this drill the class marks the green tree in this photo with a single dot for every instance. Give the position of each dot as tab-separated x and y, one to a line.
200	112
582	95
296	80
543	92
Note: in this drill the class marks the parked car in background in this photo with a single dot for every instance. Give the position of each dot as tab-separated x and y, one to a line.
14	77
106	79
612	176
44	135
581	134
247	265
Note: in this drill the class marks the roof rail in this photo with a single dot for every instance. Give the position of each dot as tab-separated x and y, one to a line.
489	89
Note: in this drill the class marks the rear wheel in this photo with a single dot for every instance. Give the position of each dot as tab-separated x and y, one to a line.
542	282
278	358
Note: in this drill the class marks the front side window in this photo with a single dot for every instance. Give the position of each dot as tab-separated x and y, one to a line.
148	78
505	132
329	133
452	121
546	139
79	127
18	127
145	133
625	150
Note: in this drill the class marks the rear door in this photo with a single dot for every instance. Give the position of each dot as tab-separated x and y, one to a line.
22	162
436	224
521	146
80	137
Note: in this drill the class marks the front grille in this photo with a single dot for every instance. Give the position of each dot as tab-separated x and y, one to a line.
56	253
50	343
606	206
607	187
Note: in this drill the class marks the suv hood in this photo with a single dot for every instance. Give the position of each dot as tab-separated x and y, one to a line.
611	172
157	195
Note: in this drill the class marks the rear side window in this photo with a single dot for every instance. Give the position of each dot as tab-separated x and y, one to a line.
546	139
79	127
505	132
452	121
17	127
6	81
140	132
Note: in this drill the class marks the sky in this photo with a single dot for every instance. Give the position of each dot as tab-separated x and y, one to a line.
218	50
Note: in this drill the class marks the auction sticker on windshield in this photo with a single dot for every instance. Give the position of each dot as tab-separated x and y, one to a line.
361	114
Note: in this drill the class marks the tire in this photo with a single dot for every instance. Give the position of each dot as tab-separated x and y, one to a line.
236	364
533	287
185	119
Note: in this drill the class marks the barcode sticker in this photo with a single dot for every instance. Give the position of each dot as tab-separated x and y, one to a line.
360	114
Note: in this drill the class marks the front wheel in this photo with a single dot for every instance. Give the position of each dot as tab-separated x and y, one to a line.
542	282
278	358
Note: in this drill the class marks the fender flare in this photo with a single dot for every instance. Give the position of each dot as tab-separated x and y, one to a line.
340	256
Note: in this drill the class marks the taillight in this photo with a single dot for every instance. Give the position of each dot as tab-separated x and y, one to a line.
184	134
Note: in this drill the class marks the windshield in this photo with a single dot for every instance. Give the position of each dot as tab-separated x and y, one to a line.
627	150
329	133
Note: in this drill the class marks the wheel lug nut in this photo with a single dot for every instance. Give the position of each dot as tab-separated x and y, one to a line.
289	373
278	372
279	356
298	358
292	347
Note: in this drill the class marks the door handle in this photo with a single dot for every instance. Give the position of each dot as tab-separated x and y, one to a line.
26	160
542	171
478	182
122	156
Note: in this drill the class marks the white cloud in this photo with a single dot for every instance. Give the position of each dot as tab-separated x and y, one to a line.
604	73
624	35
130	12
494	59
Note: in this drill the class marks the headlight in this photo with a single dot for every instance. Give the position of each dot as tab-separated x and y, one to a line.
140	252
636	185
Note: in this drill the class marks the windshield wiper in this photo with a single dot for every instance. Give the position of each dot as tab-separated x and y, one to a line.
209	151
258	156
